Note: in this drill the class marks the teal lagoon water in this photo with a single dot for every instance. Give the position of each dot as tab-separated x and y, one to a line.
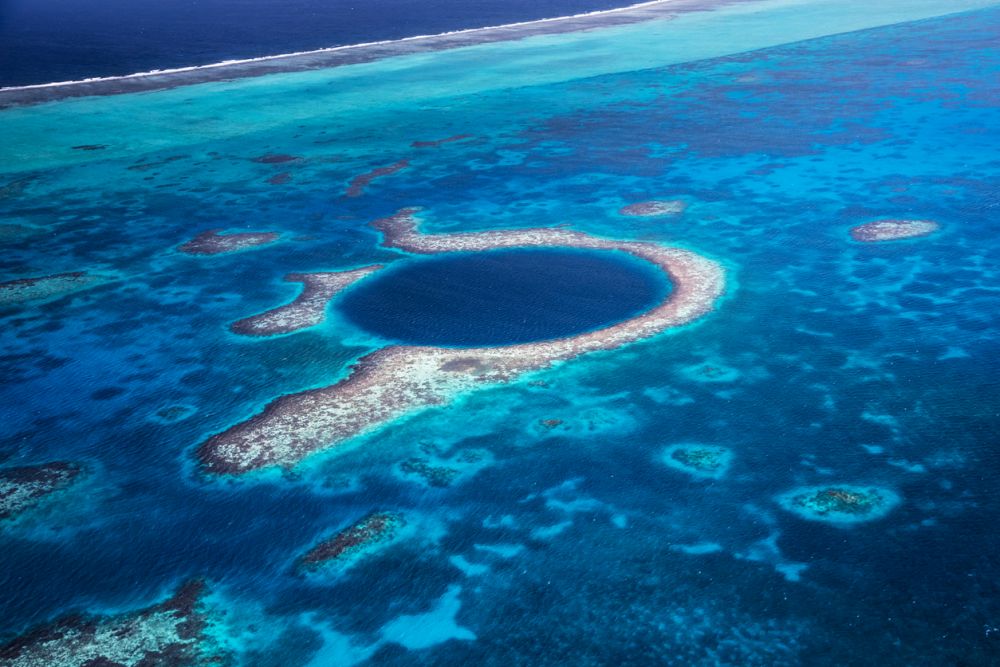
827	363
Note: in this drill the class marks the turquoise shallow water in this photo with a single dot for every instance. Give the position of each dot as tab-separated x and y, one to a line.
574	540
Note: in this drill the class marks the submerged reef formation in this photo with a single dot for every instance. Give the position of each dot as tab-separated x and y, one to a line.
357	186
212	242
893	230
172	632
14	231
398	380
357	540
173	413
439	476
436	470
438	142
699	460
26	487
842	503
348	55
308	309
44	287
275	158
549	423
654	208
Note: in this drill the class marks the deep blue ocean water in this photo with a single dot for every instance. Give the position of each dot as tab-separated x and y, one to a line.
827	362
42	41
502	297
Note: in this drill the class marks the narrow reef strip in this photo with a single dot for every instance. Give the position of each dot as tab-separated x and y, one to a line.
309	307
172	632
348	545
275	158
654	208
349	54
211	242
398	380
45	287
24	488
357	186
438	142
893	230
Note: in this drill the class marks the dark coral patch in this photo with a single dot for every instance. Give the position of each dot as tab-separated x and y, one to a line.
15	187
351	542
840	504
27	289
212	242
549	424
173	413
699	460
438	476
893	230
142	165
358	184
107	393
24	488
172	632
655	208
437	142
276	158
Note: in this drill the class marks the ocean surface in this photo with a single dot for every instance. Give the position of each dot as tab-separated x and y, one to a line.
576	538
42	41
502	297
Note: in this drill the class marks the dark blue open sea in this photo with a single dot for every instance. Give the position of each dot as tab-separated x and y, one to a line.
806	474
65	40
502	297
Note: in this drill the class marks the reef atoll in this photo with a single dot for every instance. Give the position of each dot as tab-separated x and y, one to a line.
45	287
654	208
212	242
893	230
308	309
357	540
698	460
172	632
398	380
842	503
24	488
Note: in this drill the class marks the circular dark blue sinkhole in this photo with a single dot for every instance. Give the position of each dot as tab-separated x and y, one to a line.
503	297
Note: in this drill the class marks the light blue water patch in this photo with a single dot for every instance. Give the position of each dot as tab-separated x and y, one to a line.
420	631
828	360
367	95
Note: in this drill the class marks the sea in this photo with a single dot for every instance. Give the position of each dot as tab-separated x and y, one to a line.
574	536
42	41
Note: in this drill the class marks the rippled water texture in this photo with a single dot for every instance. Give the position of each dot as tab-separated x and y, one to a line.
806	475
61	40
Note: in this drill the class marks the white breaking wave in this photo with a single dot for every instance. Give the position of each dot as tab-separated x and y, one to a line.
332	49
